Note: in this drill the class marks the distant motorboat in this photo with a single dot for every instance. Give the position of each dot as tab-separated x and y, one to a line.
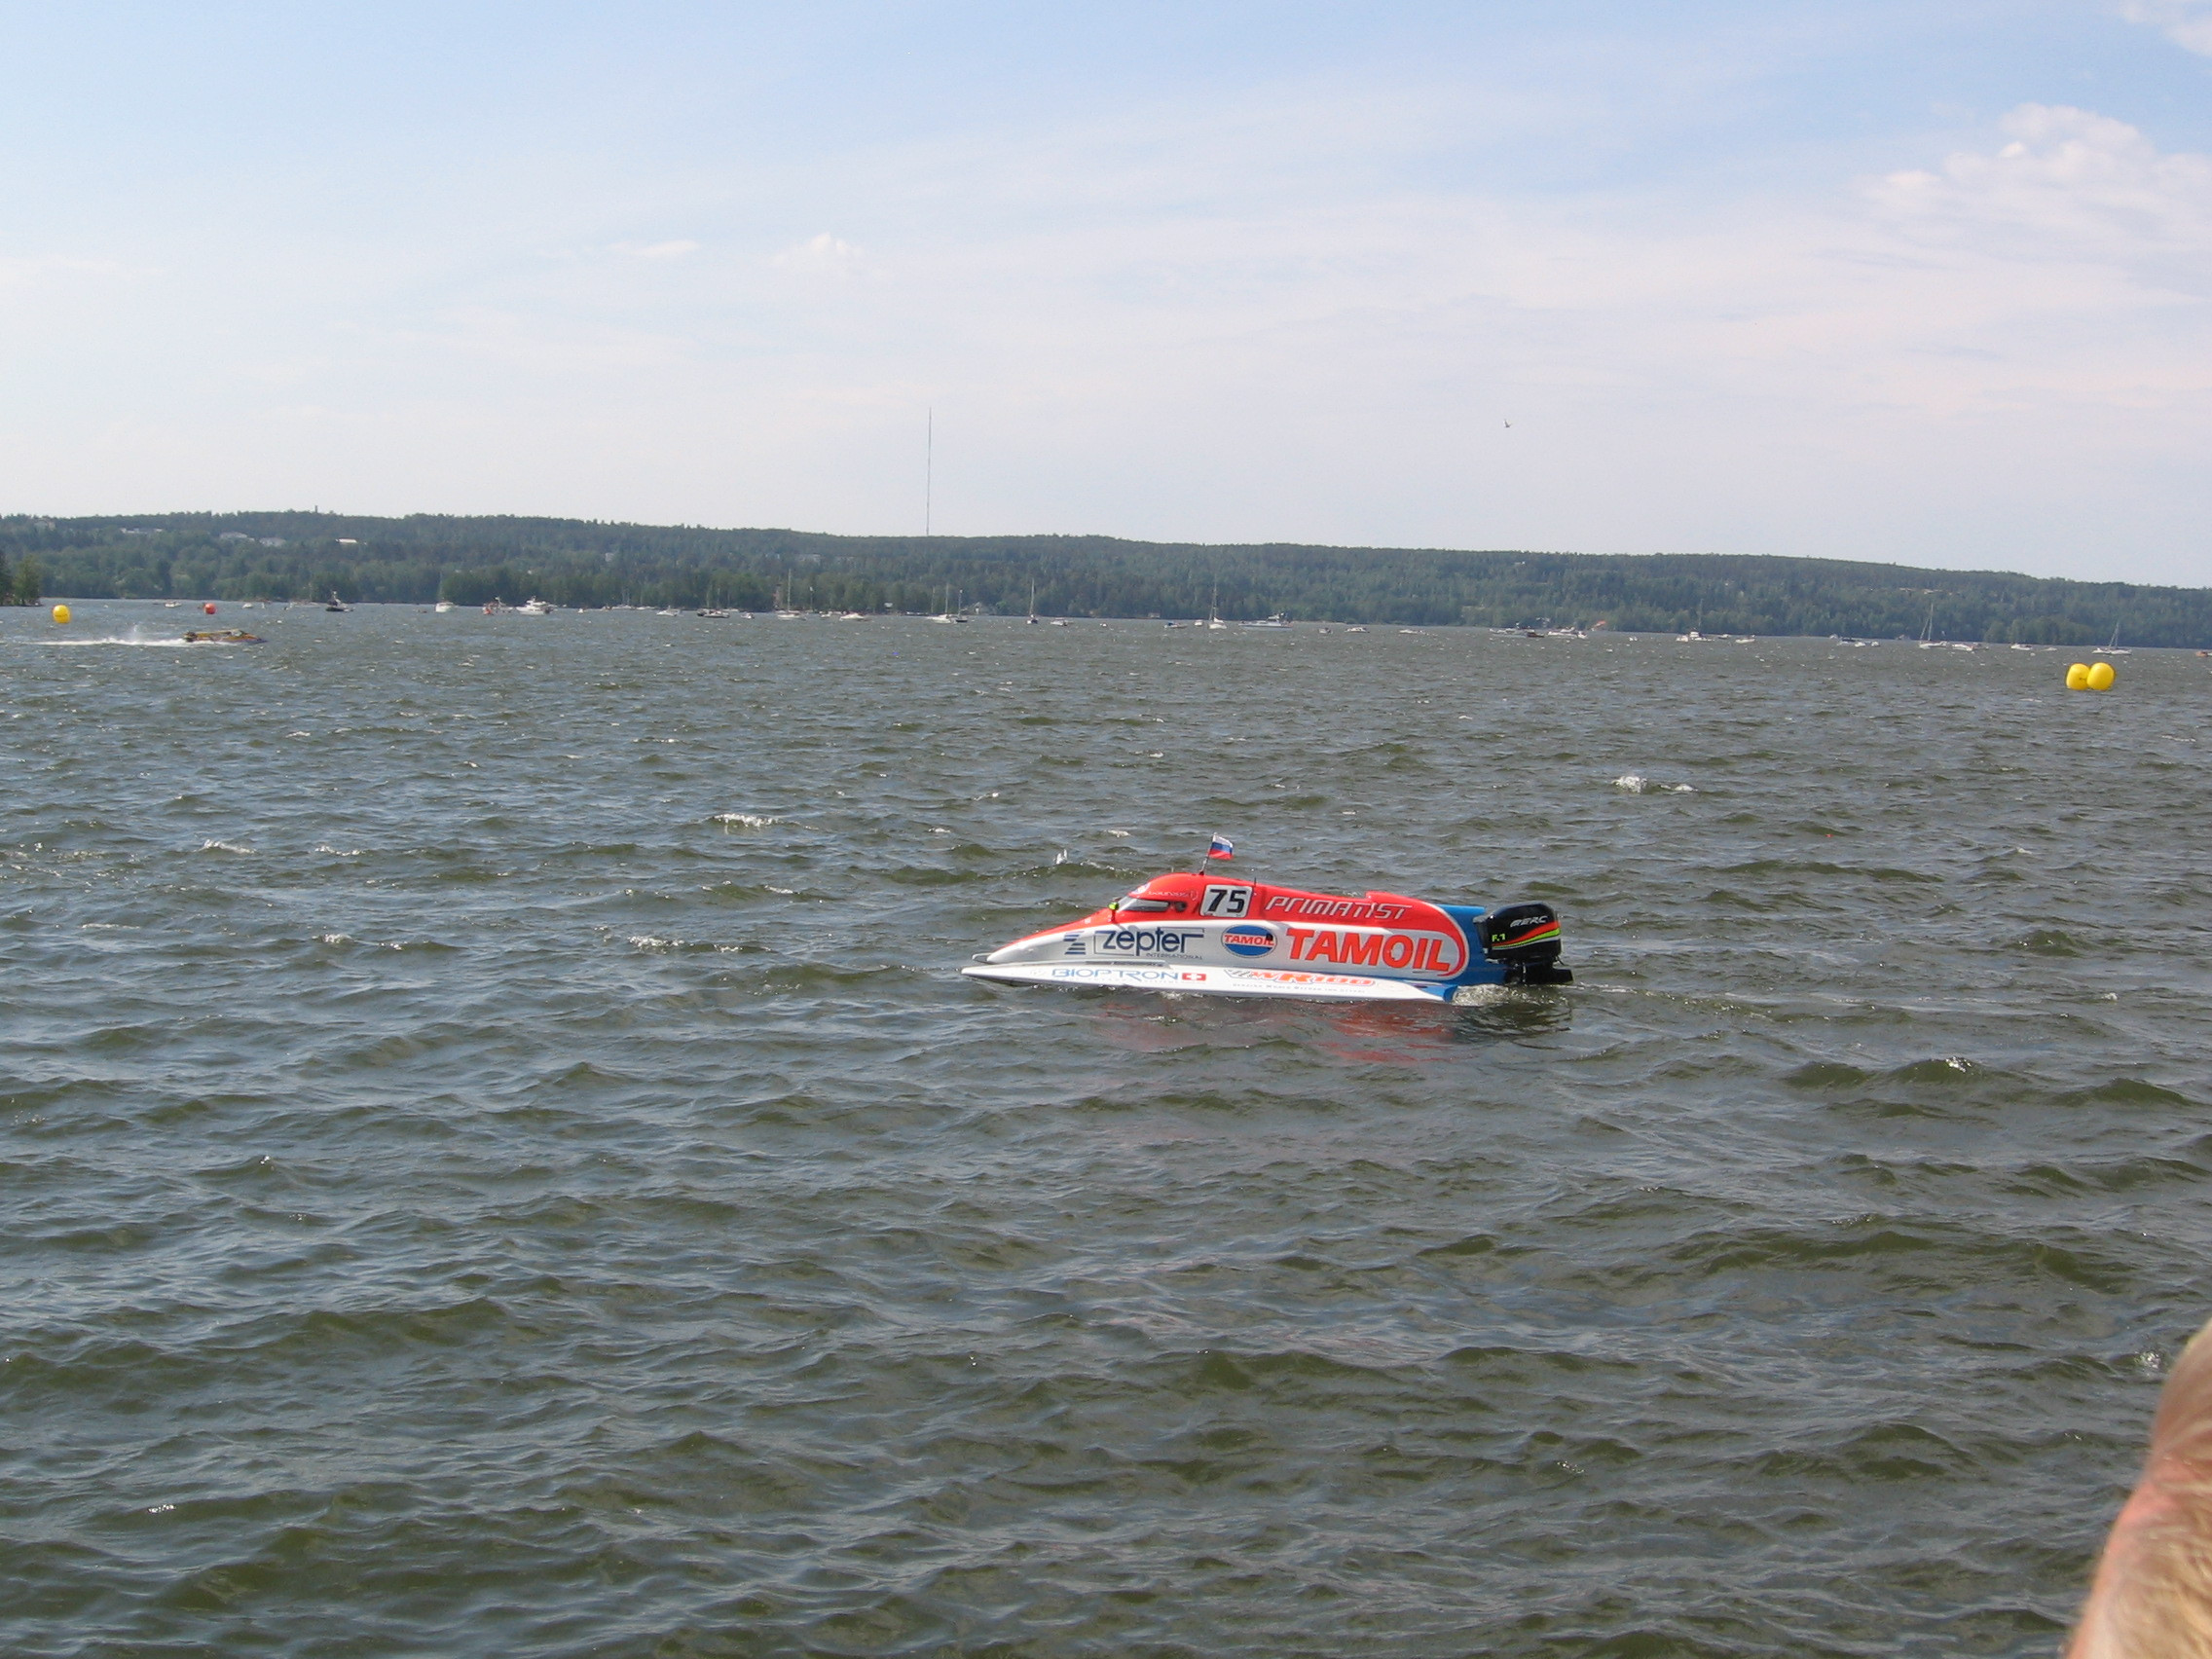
716	616
337	604
534	607
442	607
1192	932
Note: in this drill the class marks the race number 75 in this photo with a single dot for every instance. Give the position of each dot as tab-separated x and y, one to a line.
1222	901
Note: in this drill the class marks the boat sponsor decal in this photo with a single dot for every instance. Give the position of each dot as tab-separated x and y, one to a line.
1143	941
1250	939
1344	909
1126	976
1536	930
1436	953
1290	977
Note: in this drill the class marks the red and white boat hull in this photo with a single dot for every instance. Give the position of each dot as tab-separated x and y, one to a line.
1205	935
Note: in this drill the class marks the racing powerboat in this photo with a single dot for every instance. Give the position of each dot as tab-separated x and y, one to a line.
1202	933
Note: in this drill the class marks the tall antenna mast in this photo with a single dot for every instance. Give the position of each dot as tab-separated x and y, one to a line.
929	467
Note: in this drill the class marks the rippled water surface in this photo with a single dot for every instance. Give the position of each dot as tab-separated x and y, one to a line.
498	1159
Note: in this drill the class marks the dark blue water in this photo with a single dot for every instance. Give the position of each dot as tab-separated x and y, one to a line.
498	1159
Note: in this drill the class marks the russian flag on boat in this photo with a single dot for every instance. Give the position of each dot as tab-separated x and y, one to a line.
1223	848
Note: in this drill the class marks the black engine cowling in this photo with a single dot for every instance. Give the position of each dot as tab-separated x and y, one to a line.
1524	938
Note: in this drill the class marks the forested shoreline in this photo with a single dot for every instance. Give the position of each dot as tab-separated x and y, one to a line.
20	580
419	559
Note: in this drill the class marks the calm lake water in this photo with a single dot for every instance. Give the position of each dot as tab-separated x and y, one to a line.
499	1161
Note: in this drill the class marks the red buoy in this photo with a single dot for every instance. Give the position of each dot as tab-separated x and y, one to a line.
211	607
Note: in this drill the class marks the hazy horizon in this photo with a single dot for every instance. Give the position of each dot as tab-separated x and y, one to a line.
1225	546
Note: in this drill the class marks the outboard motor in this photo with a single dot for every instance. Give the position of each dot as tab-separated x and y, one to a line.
1524	938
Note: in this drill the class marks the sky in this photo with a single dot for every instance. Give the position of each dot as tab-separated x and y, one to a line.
1860	279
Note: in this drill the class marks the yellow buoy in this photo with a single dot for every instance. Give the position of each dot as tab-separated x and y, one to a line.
62	614
2077	677
2101	677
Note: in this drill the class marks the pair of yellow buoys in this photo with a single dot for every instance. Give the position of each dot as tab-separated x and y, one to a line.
2089	677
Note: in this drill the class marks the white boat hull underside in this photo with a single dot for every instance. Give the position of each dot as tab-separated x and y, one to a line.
1202	980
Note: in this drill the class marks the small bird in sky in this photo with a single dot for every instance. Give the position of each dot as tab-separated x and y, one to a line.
1509	425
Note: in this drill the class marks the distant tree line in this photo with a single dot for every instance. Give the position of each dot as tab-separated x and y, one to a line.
19	585
414	559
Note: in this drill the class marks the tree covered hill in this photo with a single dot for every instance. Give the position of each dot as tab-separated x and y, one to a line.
573	562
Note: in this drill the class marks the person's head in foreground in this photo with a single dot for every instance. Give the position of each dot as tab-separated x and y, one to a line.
2153	1594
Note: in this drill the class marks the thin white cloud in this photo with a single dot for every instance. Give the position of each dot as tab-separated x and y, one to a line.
657	250
24	273
539	352
48	297
823	253
2072	185
2185	22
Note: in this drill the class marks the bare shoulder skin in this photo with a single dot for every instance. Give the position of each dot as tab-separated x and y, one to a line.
2152	1594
